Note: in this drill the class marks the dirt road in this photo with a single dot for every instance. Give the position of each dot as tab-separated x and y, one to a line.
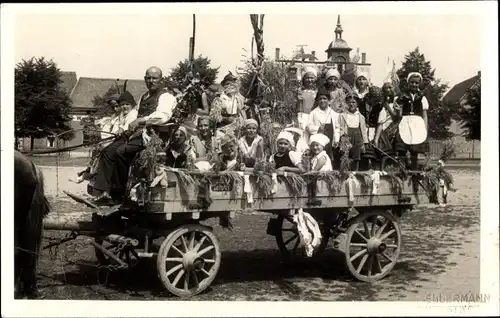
439	245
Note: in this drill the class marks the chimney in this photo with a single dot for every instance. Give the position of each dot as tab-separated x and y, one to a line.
479	73
363	58
313	53
277	56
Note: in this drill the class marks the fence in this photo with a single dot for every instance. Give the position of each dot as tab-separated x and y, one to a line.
465	149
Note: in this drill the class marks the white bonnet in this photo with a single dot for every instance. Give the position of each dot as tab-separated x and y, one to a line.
332	72
320	139
287	136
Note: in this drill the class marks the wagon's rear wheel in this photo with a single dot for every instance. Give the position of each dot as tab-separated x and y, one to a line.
373	245
188	260
288	239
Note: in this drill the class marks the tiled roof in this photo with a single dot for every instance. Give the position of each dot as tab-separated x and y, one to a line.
457	92
69	80
88	87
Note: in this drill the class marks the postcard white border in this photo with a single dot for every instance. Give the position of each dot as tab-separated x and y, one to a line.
489	172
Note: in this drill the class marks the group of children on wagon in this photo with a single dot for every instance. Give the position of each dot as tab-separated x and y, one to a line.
365	115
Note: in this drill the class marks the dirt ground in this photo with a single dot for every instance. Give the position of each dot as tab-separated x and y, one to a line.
439	245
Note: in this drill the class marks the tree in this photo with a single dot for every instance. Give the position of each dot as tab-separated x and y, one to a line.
100	103
191	79
201	65
440	113
42	106
470	114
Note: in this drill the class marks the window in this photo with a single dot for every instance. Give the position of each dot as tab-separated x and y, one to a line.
51	142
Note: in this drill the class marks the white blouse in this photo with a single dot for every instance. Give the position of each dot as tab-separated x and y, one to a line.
328	164
249	150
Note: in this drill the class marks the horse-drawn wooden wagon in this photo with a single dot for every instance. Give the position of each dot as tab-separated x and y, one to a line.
357	212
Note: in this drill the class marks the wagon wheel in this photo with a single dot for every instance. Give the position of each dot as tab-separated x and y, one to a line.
288	239
128	255
188	260
373	245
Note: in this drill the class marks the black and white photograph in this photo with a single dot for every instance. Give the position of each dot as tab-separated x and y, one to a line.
286	159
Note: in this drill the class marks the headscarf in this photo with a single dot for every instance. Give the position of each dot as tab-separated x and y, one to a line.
332	72
412	74
361	74
310	70
320	139
250	121
287	136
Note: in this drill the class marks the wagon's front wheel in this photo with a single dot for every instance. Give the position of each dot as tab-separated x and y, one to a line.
188	260
373	245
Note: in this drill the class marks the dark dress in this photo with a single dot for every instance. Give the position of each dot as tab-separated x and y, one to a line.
371	122
283	161
410	107
356	140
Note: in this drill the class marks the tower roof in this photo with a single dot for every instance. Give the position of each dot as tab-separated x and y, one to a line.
338	43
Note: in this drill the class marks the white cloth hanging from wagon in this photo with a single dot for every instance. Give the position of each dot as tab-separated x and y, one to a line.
309	232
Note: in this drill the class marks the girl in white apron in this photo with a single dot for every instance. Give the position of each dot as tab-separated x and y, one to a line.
412	130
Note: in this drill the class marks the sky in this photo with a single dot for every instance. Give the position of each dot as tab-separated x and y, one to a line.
124	45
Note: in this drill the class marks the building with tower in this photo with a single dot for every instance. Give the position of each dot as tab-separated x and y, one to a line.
338	55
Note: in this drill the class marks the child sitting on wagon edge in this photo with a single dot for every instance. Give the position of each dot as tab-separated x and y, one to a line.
285	159
320	161
251	145
353	126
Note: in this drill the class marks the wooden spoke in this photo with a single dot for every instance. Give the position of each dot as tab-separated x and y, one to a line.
377	264
209	260
205	272
358	244
177	250
186	280
358	254
184	244
174	259
174	269
205	250
200	242
361	235
384	255
191	240
291	239
178	278
195	279
362	263
367	231
381	229
386	235
370	265
392	245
